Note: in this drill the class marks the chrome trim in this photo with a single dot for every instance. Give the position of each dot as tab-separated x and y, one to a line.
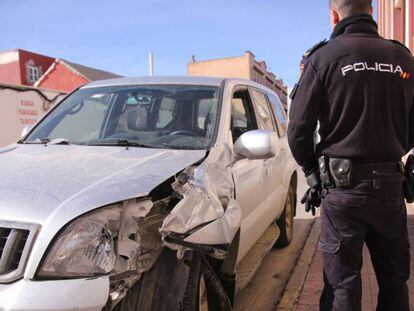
11	244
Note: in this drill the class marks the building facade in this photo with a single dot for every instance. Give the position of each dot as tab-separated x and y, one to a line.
396	20
245	67
30	84
66	76
24	68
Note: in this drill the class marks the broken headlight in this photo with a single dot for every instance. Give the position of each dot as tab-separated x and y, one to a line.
85	248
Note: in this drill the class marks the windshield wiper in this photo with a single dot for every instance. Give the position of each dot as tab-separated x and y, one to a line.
58	141
38	141
48	141
123	143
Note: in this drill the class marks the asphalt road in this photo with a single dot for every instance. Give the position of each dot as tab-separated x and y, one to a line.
266	288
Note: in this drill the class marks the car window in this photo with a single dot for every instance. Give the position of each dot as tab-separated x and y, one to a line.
242	115
84	119
281	120
204	114
263	111
159	116
166	112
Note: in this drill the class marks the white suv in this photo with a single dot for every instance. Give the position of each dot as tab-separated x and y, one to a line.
145	194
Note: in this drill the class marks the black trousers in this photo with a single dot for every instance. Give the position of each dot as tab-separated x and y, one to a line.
373	213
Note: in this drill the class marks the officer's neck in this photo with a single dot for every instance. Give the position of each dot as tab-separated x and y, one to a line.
354	19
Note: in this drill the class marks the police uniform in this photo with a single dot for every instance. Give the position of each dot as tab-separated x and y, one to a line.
360	88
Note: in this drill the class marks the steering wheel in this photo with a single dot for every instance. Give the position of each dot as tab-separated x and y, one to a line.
183	132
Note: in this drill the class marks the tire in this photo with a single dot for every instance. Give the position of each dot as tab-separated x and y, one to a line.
177	285
204	289
285	222
159	289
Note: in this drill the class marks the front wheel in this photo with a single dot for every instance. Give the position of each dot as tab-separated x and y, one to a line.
285	222
204	289
159	289
189	284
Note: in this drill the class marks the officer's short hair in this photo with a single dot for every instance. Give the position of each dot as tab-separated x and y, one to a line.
351	7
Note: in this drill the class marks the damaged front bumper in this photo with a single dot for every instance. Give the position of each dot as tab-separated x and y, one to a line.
218	252
200	214
80	294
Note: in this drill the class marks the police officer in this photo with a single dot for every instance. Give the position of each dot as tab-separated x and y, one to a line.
360	88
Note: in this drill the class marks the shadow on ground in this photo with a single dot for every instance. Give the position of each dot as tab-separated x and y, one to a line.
267	286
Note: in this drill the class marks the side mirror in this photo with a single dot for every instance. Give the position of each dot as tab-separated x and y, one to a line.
256	145
25	130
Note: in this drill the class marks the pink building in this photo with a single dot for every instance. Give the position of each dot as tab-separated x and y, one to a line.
396	20
23	67
20	67
66	76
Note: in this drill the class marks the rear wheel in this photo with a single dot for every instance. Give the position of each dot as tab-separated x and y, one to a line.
285	222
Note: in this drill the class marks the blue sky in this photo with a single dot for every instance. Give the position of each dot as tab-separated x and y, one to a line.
117	35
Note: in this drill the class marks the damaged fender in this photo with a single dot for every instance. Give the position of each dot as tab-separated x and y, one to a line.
208	212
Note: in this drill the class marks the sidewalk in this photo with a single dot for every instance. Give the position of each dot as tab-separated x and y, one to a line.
309	298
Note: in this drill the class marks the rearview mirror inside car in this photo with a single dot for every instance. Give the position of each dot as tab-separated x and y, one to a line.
256	145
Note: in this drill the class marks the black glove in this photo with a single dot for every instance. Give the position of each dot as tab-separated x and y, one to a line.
312	199
408	186
313	196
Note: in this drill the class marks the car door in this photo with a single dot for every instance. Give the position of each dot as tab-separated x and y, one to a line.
282	157
273	179
248	174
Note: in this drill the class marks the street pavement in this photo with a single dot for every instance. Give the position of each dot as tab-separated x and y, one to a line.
267	286
309	298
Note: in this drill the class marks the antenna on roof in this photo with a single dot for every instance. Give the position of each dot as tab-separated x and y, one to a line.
151	63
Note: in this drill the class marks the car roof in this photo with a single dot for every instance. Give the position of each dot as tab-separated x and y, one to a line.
179	80
156	80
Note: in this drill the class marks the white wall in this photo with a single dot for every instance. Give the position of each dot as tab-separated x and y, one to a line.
22	107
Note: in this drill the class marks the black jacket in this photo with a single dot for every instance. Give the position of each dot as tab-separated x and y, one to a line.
360	87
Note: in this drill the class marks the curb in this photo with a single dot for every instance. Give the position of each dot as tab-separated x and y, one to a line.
297	279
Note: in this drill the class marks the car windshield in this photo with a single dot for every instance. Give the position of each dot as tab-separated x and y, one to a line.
158	116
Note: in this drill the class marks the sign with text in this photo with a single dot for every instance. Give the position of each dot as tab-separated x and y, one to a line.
28	113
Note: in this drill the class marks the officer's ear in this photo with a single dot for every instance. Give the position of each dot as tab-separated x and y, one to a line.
371	10
334	16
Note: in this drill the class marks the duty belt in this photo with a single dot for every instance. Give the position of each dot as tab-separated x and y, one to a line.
344	173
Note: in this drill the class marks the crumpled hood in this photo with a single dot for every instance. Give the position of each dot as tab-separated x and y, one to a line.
57	183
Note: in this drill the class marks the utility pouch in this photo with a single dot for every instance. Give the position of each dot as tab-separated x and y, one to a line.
324	172
408	186
341	171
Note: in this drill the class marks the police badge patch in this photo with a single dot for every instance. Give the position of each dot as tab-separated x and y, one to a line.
305	56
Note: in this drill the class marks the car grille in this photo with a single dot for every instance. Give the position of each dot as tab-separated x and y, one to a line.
12	242
15	244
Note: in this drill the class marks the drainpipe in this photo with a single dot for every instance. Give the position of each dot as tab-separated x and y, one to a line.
407	23
391	12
